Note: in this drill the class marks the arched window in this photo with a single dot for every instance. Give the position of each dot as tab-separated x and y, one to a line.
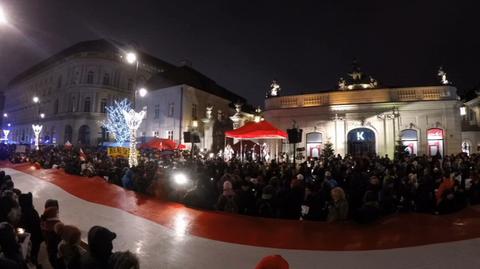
90	77
409	139
68	134
84	135
435	138
87	104
314	144
106	79
361	141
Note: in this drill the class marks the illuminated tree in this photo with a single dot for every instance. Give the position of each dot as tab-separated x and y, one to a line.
115	122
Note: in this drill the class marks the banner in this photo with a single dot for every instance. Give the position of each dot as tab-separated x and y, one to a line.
119	152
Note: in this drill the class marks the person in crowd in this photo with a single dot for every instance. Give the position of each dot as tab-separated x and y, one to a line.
227	201
338	209
49	219
69	249
30	221
99	248
265	206
123	260
10	248
273	262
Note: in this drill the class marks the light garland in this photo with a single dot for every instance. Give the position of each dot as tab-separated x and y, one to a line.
115	122
133	120
37	129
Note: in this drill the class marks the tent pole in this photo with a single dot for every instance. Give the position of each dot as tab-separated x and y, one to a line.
241	151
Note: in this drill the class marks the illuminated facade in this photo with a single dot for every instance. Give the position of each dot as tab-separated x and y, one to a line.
363	117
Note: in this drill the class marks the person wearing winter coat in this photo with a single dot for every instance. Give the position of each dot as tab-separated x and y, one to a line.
30	221
99	248
48	221
123	260
10	249
338	210
69	249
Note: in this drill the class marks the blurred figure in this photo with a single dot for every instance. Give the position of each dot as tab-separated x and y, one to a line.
273	262
99	248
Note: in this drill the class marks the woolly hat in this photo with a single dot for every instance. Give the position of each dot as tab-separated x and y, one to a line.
50	213
267	192
300	177
273	262
71	234
51	203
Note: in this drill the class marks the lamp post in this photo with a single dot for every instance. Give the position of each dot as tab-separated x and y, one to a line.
133	118
37	128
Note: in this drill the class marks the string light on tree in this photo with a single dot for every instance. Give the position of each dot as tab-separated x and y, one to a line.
133	120
5	134
37	129
115	121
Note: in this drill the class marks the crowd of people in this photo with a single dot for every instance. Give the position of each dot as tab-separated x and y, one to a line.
22	231
336	188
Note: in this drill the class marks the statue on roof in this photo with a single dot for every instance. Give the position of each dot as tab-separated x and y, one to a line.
443	76
342	84
373	82
274	88
356	72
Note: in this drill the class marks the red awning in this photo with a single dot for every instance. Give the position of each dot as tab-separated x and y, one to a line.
160	144
257	130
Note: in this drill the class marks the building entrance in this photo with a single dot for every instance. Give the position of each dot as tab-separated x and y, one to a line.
361	141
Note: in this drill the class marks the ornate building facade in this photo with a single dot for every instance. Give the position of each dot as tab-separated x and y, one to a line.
363	117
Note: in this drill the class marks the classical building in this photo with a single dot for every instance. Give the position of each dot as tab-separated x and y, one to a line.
361	116
183	100
75	85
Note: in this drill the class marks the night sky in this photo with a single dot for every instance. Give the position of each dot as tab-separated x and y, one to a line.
243	45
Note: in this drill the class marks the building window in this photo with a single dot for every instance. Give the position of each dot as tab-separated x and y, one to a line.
103	105
194	111
59	82
130	84
87	104
157	111
314	144
55	107
171	108
409	138
155	133
106	79
90	77
170	134
72	105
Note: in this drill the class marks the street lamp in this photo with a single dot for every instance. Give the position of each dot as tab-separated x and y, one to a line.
42	115
142	92
131	57
3	17
36	99
5	115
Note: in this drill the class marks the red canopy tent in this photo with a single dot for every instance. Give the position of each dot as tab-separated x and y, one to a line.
257	130
160	144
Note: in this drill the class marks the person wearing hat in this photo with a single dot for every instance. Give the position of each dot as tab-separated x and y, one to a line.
272	262
49	219
30	221
99	248
69	249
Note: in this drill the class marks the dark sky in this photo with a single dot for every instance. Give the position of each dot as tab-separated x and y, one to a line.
243	45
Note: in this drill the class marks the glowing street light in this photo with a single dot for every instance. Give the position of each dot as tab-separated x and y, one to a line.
5	115
36	99
131	57
42	115
3	16
142	92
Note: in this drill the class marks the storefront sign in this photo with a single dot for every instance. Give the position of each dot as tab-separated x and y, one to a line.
119	152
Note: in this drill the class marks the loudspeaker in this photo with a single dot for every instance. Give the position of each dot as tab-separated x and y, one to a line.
186	137
294	135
